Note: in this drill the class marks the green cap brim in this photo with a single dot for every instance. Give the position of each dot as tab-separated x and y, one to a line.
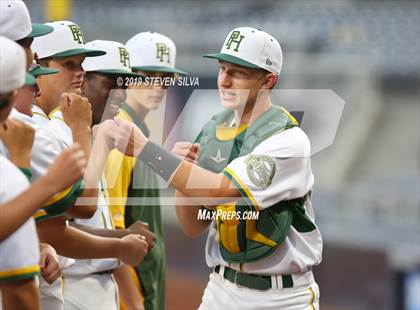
40	30
79	51
232	59
29	79
42	71
117	72
159	69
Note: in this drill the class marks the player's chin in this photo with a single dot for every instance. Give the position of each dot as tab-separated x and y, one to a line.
154	103
230	104
76	90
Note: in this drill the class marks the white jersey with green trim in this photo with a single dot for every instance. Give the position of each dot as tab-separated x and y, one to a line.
44	151
278	169
46	146
101	218
19	252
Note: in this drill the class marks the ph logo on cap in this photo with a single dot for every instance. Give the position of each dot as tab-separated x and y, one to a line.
77	34
235	38
163	52
124	57
251	48
115	62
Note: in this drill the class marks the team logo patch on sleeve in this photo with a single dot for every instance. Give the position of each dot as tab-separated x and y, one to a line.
260	169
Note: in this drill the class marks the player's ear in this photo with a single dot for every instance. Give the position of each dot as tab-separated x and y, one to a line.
270	81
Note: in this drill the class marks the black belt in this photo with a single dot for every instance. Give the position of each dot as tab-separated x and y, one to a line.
254	281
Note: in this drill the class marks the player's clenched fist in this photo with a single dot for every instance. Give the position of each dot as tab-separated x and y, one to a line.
132	249
68	167
18	138
76	110
128	138
103	132
48	262
142	228
187	151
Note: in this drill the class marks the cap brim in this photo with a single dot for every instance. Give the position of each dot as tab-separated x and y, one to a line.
232	59
43	71
40	30
29	79
159	69
117	72
79	51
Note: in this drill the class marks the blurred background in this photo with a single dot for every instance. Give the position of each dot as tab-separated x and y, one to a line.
366	195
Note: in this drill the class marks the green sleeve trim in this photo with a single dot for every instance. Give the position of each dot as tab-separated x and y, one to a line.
241	190
60	206
45	217
27	172
29	275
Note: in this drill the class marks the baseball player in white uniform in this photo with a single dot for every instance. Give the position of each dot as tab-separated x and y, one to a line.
89	284
17	271
65	50
255	159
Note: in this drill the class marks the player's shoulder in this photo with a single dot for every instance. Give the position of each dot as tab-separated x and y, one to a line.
287	143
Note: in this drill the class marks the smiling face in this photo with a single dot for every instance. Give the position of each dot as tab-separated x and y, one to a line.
69	79
149	95
240	86
104	94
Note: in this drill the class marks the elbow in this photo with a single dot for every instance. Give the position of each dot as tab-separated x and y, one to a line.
192	231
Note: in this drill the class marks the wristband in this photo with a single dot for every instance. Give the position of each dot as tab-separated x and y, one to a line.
159	160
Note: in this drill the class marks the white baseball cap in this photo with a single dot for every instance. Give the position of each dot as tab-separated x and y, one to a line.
251	48
15	21
66	40
116	61
152	52
12	65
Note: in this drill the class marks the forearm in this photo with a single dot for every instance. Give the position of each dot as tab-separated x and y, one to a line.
83	136
102	232
20	209
23	295
210	189
72	242
127	289
86	204
188	217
